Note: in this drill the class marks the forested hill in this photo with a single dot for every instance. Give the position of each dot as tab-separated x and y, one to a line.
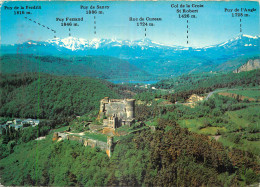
51	97
104	67
210	81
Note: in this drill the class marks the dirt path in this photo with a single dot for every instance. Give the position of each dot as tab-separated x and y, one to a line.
41	138
80	134
216	137
209	95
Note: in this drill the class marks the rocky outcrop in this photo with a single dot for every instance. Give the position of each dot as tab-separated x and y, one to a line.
194	98
250	65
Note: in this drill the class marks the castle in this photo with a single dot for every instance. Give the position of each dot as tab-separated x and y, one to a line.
115	113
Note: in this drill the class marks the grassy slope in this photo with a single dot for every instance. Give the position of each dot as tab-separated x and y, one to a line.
253	93
196	125
242	118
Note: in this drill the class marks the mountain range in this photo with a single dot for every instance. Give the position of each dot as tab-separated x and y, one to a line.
148	56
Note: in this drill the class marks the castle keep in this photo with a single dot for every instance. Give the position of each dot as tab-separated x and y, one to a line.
117	112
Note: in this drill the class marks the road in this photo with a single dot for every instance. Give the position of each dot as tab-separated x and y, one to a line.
211	93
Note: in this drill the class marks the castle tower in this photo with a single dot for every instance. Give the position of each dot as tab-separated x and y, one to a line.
102	108
130	108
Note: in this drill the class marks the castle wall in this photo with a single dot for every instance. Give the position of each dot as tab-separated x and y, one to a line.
104	146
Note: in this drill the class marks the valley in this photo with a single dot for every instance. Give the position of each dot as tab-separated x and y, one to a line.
225	126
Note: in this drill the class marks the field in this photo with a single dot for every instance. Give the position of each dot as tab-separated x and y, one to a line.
239	126
245	117
100	137
252	93
198	126
251	146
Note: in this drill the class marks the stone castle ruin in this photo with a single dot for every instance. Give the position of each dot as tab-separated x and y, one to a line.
115	113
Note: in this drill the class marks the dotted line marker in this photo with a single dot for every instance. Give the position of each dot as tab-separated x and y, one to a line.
187	32
41	25
240	25
95	27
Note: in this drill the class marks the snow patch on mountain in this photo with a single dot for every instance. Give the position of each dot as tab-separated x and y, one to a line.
241	39
80	43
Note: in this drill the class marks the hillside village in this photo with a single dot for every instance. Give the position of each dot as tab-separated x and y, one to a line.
19	124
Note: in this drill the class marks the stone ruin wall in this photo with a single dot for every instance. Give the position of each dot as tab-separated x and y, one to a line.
104	146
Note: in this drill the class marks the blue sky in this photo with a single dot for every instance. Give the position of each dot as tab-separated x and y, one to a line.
211	26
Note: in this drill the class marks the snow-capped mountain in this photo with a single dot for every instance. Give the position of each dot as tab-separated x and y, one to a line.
127	49
240	40
82	44
69	43
241	43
